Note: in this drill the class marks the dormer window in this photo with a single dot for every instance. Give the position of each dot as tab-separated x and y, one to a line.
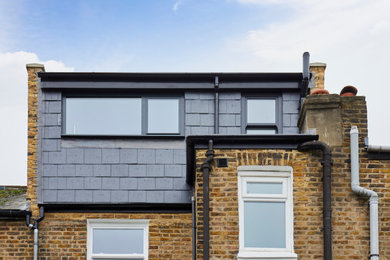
122	116
262	115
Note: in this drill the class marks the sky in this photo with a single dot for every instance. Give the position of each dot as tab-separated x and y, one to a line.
351	36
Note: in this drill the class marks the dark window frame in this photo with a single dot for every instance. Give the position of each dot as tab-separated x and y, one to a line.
277	126
144	112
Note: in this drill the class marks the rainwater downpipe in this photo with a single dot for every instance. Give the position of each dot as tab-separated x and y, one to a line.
216	105
36	231
355	184
327	196
206	168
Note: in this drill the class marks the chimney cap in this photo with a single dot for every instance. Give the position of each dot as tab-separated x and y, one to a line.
318	64
35	66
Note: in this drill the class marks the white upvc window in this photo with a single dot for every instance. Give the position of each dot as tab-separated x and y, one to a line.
117	239
265	212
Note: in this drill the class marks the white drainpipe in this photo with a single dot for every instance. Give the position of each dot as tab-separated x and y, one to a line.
374	241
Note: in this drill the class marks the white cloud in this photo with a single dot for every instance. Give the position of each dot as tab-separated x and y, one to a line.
176	5
13	113
352	37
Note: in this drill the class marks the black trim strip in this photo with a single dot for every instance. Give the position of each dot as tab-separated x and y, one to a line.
138	137
169	77
378	156
119	208
14	213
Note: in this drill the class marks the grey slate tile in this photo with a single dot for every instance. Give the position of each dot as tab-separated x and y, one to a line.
192	119
49	170
50	145
84	170
164	183
147	156
53	107
230	106
164	156
119	170
101	170
76	183
83	196
180	184
128	183
137	170
174	170
92	183
290	130
128	156
290	107
110	155
75	155
57	157
207	120
45	183
294	119
61	183
137	196
286	120
52	95
191	95
119	196
238	120
45	157
66	195
49	195
110	183
179	156
52	132
66	170
52	119
155	170
227	120
101	196
230	95
290	96
146	183
176	196
200	130
93	156
154	196
209	96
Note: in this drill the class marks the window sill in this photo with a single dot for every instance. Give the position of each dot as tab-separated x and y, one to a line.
267	256
67	136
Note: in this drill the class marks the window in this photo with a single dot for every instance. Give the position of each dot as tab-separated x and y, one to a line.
262	115
122	116
117	239
265	212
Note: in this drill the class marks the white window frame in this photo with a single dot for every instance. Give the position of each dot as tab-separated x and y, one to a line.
273	174
117	224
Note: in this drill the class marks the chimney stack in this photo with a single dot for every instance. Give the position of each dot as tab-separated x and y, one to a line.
318	70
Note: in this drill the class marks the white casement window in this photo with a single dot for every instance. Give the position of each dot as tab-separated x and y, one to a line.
117	239
265	212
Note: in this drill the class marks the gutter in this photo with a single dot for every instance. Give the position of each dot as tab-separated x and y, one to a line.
14	213
373	196
327	196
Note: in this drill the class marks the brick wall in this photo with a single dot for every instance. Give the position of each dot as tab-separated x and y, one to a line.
350	213
15	240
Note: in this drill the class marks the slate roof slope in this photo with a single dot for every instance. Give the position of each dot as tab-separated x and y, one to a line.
13	198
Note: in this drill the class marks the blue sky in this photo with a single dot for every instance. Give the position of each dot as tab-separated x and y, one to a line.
351	36
133	35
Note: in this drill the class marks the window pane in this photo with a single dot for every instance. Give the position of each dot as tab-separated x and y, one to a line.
264	188
117	116
261	111
260	131
118	241
163	116
264	224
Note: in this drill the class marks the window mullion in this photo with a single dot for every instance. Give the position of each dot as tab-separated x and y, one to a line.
144	115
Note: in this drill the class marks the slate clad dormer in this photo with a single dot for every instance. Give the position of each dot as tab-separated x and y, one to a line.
120	137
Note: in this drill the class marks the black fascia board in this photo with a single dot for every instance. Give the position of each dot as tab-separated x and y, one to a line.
244	141
118	207
378	155
171	77
13	213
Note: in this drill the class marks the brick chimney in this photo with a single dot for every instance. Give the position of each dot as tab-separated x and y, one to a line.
318	69
32	132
